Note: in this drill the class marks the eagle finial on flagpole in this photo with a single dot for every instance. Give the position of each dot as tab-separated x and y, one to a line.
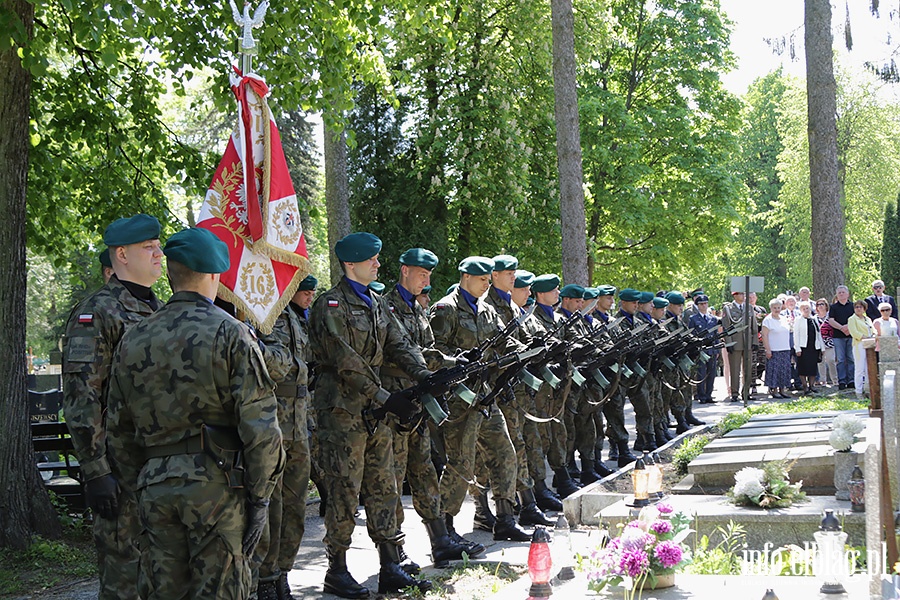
247	45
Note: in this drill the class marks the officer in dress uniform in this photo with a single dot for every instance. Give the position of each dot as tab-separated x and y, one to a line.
352	333
193	426
93	331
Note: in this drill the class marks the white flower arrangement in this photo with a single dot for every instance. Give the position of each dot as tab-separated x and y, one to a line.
844	429
749	482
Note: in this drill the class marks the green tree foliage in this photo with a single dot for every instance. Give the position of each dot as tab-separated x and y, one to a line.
890	246
869	155
659	136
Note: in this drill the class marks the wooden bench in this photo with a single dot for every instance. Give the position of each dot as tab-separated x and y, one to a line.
57	463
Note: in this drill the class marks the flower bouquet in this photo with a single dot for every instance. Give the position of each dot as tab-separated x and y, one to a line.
844	430
767	487
646	550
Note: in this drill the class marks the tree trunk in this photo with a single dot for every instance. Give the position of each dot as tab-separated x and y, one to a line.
24	503
337	194
827	230
568	146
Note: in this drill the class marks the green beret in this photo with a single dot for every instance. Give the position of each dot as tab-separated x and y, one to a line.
376	286
199	250
133	230
419	257
505	262
425	290
104	258
629	295
646	297
675	298
606	290
308	284
357	247
452	288
660	302
545	283
476	265
524	278
529	301
590	293
572	290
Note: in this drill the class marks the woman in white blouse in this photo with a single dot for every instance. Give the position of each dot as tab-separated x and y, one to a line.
776	338
885	326
808	346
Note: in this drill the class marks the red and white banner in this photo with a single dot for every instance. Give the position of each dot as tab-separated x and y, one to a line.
252	207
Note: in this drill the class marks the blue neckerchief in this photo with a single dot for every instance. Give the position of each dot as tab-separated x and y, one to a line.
406	295
565	313
602	315
305	313
361	290
628	316
471	300
547	309
670	315
648	317
589	319
505	296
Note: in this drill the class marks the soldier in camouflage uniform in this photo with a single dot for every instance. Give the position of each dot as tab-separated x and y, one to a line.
628	301
286	351
660	406
546	291
352	333
639	390
679	395
193	427
92	333
529	399
499	297
612	410
412	441
461	321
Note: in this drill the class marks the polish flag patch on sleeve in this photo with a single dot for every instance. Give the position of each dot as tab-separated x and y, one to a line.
332	304
85	319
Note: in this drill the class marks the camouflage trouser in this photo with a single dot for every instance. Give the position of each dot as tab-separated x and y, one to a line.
639	396
352	460
118	550
654	391
412	458
287	513
580	430
466	430
193	541
537	469
672	396
614	411
515	422
553	433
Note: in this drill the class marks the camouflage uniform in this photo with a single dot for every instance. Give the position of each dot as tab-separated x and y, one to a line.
350	341
613	410
412	446
92	333
456	328
286	351
529	400
639	394
580	430
187	366
554	432
677	395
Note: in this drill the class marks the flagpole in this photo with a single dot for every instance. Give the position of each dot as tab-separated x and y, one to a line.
247	47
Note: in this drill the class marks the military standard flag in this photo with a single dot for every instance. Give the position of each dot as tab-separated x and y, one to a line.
252	207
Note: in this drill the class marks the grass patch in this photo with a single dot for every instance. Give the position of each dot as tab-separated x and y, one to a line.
471	581
808	404
47	563
688	451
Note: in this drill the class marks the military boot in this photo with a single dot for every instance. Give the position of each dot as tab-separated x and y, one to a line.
682	425
546	500
689	417
339	581
625	455
443	549
506	527
392	578
530	513
659	435
284	589
613	450
267	590
484	518
473	549
565	486
571	467
406	563
601	469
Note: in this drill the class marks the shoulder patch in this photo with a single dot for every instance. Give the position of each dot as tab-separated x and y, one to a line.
441	305
332	304
85	319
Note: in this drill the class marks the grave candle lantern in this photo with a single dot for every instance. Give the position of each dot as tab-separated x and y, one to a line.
857	488
829	562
